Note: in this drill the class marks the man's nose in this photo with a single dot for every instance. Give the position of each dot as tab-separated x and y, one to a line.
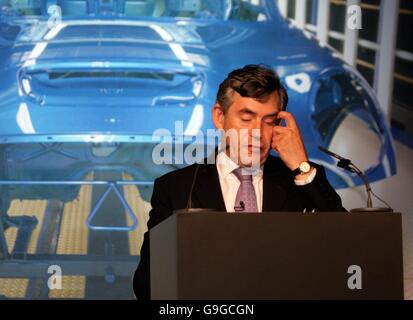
255	136
258	125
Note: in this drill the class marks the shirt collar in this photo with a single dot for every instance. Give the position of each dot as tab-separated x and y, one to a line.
226	165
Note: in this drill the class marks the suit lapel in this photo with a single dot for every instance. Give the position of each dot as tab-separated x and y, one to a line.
207	190
275	187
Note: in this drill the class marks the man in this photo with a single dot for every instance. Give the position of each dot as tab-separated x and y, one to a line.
245	177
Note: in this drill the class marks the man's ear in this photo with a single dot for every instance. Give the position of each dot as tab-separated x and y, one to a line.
218	116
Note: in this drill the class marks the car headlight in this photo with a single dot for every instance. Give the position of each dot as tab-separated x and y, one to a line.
347	119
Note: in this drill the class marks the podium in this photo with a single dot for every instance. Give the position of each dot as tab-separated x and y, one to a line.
213	255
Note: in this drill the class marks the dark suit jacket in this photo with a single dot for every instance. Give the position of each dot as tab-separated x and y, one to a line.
279	194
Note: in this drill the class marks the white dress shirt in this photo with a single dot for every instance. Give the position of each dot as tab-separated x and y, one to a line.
230	183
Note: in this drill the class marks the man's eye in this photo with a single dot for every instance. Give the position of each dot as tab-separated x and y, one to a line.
246	119
270	122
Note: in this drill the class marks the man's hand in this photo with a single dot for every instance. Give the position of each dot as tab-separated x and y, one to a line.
287	142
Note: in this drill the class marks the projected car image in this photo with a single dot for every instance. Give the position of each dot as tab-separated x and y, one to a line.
84	84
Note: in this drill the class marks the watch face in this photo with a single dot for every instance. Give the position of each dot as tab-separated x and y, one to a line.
305	167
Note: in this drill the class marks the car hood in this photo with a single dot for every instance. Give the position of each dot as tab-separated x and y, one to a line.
133	71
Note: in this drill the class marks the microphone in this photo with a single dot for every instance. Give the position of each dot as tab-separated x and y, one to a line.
189	208
189	202
241	207
346	164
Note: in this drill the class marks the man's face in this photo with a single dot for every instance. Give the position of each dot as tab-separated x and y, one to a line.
252	123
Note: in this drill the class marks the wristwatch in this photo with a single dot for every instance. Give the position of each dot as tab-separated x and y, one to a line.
304	168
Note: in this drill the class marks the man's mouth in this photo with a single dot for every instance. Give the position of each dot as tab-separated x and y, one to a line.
255	148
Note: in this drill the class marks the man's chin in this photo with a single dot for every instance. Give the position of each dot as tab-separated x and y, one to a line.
254	159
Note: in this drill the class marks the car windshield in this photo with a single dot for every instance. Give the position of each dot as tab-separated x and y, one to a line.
245	10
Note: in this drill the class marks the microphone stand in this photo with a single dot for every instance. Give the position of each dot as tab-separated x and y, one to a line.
346	164
189	208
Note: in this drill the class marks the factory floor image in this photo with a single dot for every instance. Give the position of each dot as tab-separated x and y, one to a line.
95	264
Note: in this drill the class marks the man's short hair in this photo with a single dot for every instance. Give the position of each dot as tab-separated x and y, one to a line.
252	81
